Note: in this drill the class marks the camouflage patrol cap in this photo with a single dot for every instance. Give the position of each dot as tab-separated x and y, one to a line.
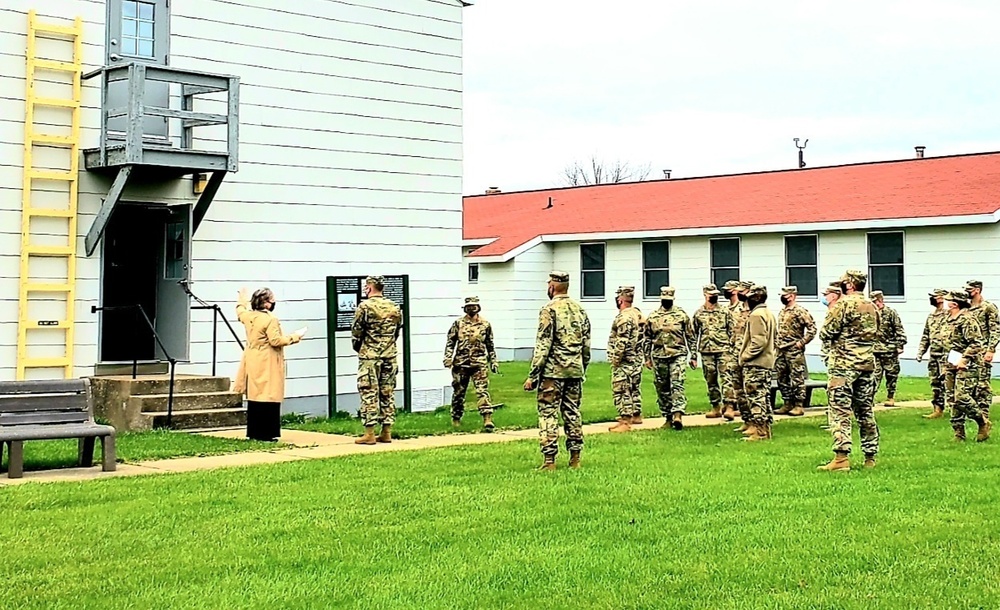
559	276
667	292
626	291
854	276
790	290
710	289
876	295
938	292
757	290
731	285
375	279
834	287
471	301
745	285
973	284
959	296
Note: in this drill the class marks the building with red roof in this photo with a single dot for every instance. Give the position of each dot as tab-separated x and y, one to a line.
914	225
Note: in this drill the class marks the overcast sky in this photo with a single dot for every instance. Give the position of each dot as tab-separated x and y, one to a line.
722	86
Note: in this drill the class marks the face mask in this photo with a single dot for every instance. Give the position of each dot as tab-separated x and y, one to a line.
934	302
824	301
667	304
273	305
843	287
550	292
741	297
784	300
713	299
728	294
753	303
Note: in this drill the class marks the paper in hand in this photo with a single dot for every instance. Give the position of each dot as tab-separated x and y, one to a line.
954	358
301	331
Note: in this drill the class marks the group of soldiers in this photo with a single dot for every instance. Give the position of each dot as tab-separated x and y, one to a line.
741	347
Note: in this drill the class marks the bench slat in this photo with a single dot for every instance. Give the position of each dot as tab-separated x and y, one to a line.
42	402
53	386
48	417
27	433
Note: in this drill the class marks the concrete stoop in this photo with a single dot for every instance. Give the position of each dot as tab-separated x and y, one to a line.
133	405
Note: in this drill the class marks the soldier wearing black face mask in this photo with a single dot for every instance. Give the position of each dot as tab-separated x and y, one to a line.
935	341
668	342
757	359
796	328
740	313
712	328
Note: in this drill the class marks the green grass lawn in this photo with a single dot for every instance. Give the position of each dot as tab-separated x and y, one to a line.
519	411
655	519
135	447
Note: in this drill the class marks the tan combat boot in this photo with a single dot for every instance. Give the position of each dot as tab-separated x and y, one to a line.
785	408
368	438
729	413
574	459
715	413
797	410
760	432
624	425
959	433
456	423
743	428
890	402
984	431
749	429
677	421
937	413
549	463
385	436
840	463
869	461
637	418
488	424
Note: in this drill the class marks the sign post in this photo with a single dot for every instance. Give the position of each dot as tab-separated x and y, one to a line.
343	295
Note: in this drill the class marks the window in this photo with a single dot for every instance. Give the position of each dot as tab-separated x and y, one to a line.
137	28
592	270
725	259
473	273
655	267
885	263
175	260
801	262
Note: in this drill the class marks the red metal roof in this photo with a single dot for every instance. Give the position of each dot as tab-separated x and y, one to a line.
959	185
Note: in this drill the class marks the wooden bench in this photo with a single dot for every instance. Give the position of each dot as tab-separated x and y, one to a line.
45	410
811	384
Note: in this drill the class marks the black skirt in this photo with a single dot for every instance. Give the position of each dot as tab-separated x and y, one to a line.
263	420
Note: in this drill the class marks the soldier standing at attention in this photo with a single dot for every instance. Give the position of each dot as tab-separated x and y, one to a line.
851	327
377	323
962	379
740	315
888	347
987	315
469	352
757	357
796	328
934	341
830	296
625	356
669	343
558	366
730	357
711	326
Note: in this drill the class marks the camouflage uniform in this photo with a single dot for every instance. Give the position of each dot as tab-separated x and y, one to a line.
711	329
560	360
732	371
377	323
469	353
668	342
964	335
851	327
824	351
890	341
625	355
757	356
987	315
934	341
796	328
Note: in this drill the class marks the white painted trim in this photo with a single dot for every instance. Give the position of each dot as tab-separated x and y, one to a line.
503	258
478	242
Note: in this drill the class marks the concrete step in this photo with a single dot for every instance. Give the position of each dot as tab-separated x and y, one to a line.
160	384
190	401
125	368
206	418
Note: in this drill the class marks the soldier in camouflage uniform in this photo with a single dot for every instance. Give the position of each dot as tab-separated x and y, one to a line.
558	367
712	325
732	385
376	326
962	380
888	347
796	328
740	313
757	355
625	354
851	328
469	353
669	342
934	340
987	315
830	296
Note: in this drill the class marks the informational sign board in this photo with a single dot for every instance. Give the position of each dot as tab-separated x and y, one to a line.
343	296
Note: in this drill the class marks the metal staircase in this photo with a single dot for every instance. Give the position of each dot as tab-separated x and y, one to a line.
47	286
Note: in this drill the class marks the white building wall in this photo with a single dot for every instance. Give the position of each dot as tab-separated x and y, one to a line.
941	257
350	164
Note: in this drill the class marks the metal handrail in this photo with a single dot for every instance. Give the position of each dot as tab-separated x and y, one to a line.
216	314
135	359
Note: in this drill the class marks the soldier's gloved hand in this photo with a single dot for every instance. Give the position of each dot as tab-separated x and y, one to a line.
920	357
447	363
495	368
529	385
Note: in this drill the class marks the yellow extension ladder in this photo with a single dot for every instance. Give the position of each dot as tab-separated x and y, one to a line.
47	286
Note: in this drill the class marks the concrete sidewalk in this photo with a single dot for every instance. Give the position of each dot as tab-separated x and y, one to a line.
316	445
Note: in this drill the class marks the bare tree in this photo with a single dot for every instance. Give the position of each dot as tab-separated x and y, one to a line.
598	171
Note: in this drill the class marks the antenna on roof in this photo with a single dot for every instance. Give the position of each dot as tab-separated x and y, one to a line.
802	163
550	204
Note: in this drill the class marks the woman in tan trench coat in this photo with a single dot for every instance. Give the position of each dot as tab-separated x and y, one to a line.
261	376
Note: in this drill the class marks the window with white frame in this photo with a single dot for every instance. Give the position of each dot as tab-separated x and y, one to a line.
725	259
473	273
802	264
885	263
592	262
655	267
